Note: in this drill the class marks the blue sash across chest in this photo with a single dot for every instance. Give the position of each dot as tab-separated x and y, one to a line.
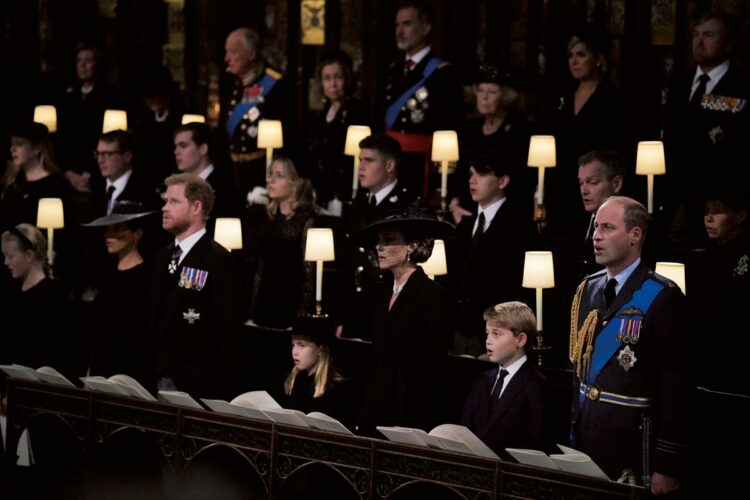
395	108
266	84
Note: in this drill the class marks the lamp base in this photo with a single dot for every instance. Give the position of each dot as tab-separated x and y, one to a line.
540	216
540	348
318	312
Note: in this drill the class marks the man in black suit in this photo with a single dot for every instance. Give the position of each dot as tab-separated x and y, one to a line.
196	300
488	252
505	407
423	94
708	121
628	343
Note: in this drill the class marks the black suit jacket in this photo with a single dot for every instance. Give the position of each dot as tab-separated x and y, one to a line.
517	420
197	356
491	271
611	434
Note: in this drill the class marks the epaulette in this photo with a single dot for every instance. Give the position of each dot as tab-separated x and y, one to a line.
273	74
444	64
661	279
595	275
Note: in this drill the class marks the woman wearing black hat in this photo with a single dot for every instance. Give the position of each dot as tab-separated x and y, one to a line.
313	384
412	324
31	175
119	319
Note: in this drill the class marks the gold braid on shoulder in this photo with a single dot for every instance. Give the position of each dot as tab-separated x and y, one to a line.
581	338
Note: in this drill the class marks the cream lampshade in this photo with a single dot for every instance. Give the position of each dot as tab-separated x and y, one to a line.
436	265
319	248
187	118
270	137
50	215
444	150
650	161
538	273
542	154
114	119
46	115
228	233
354	135
674	271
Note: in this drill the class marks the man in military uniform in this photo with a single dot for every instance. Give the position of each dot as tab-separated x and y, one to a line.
627	342
708	121
423	94
255	93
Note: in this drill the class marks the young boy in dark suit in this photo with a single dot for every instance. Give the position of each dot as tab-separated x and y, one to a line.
505	407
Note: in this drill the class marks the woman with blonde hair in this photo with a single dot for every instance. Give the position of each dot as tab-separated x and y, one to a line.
284	283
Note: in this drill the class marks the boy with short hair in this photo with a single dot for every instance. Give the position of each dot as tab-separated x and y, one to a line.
505	407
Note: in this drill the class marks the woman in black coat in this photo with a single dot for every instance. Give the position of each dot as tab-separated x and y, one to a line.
411	325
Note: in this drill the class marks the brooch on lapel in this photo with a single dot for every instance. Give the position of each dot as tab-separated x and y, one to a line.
742	264
192	278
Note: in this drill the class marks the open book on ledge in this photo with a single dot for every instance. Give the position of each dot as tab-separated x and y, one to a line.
258	405
42	374
120	385
569	460
449	437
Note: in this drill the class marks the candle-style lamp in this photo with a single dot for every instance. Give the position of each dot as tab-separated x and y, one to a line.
444	150
650	161
46	115
542	154
674	271
270	137
188	118
319	249
436	265
355	134
228	233
50	215
538	273
114	119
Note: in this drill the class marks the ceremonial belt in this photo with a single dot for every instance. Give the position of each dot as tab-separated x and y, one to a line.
594	393
241	108
395	108
416	143
246	157
606	343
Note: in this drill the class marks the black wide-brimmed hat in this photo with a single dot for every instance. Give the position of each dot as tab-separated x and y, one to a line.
319	329
415	222
33	131
124	211
508	76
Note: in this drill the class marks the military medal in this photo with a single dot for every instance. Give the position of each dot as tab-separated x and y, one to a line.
253	114
252	131
192	278
417	116
631	321
716	134
172	267
422	94
411	104
191	316
626	358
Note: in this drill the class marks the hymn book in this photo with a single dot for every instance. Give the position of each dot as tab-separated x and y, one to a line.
42	374
120	385
569	461
448	437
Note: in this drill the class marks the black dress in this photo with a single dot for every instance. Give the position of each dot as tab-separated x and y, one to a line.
332	171
284	282
119	325
336	402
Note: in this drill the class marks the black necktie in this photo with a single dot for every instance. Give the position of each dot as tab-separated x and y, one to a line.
373	200
480	229
495	396
110	198
609	292
698	94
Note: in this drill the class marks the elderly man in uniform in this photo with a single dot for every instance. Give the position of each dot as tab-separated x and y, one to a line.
256	92
423	95
627	343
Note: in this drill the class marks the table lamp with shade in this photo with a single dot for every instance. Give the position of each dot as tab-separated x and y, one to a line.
319	248
228	233
542	154
270	137
114	119
188	118
50	215
538	273
675	271
46	115
354	135
436	265
444	150
650	161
